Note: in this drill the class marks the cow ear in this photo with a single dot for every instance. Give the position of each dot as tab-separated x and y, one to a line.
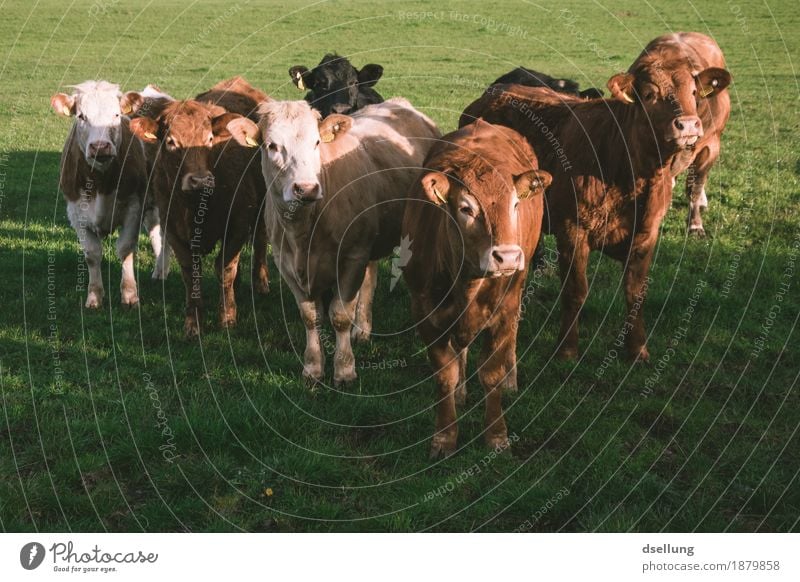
63	104
436	185
333	126
301	77
532	183
219	126
245	132
145	129
711	80
130	102
621	87
369	75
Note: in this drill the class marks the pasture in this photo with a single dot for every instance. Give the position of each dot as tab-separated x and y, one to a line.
112	421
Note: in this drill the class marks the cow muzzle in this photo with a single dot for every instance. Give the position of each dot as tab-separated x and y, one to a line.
101	152
307	191
197	181
503	260
686	130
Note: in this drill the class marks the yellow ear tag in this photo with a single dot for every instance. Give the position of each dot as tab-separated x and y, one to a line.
127	110
627	98
150	135
300	84
328	137
706	91
439	196
66	111
251	142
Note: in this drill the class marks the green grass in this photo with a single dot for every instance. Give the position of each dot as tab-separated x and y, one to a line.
714	446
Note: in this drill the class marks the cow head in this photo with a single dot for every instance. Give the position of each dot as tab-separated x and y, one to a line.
291	135
669	97
186	132
483	201
336	86
98	108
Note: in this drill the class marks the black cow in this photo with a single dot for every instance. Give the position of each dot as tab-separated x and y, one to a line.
336	86
531	78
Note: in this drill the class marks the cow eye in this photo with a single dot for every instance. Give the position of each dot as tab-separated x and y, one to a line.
170	142
273	147
467	210
210	137
316	145
81	116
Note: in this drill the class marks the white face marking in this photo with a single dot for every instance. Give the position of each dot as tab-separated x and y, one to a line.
291	146
97	116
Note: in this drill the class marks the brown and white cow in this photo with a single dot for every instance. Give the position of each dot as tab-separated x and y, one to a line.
611	162
335	195
103	178
209	190
473	220
673	63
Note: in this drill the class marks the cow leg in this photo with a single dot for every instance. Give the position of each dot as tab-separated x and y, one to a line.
161	251
93	251
259	269
446	363
192	273
509	382
573	258
227	268
313	357
126	247
344	362
461	387
492	371
636	283
363	321
696	185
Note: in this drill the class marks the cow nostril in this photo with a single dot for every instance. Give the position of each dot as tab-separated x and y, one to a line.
678	124
298	189
498	256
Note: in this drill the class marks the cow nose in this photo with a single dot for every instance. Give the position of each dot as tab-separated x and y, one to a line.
506	259
689	125
341	108
99	149
198	181
307	191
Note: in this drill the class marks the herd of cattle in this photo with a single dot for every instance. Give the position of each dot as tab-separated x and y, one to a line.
343	175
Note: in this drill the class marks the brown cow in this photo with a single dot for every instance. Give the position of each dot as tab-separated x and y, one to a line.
209	189
473	220
611	163
676	60
335	196
103	178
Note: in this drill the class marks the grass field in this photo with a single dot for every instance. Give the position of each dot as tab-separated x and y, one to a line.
112	421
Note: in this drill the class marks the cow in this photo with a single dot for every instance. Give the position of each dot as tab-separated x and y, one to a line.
531	78
336	86
473	219
678	59
336	189
611	162
103	179
209	190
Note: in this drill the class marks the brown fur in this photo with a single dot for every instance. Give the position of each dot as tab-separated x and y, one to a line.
450	306
687	52
611	188
232	207
235	95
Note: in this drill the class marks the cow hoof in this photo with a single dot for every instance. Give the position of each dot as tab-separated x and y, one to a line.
567	354
262	287
130	302
498	442
312	382
227	320
461	395
94	302
360	335
697	231
639	355
344	380
191	328
442	447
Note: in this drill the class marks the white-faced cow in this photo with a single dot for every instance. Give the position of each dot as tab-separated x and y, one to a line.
335	197
103	178
336	86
